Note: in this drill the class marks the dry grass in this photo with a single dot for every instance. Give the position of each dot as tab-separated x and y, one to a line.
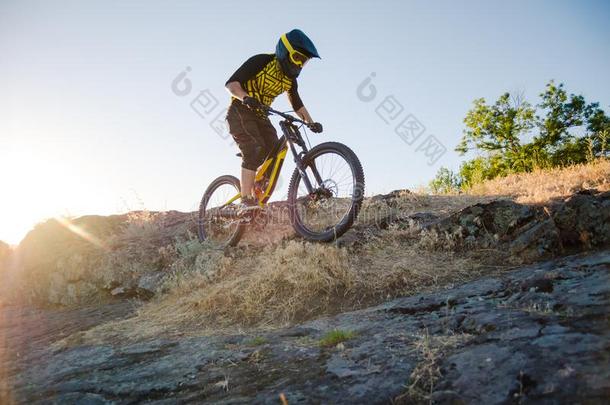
287	283
51	258
374	211
69	261
543	185
292	281
406	203
431	349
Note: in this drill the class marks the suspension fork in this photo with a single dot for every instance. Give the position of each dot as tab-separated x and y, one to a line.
292	135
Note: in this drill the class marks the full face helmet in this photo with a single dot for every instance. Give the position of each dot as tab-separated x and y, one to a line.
293	50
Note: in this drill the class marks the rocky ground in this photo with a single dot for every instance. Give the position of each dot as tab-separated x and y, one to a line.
537	334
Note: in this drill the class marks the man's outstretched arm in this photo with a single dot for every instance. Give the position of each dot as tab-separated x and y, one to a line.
297	104
304	114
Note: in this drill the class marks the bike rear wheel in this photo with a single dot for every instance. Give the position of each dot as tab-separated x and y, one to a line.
330	210
214	225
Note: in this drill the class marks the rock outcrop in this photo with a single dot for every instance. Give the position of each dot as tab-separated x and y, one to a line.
95	258
531	232
536	334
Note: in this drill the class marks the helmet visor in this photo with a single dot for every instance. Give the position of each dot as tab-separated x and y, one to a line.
296	57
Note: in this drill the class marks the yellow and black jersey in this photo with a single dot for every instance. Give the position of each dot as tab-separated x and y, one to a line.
262	78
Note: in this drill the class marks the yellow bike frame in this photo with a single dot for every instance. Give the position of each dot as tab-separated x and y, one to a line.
276	161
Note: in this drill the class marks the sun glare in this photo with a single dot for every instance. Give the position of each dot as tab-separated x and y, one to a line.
35	186
80	232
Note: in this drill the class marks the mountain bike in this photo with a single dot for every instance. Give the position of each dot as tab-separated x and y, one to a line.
324	195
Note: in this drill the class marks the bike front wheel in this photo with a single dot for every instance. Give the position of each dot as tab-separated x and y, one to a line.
215	225
330	208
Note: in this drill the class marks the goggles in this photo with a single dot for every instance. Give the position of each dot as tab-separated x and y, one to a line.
298	58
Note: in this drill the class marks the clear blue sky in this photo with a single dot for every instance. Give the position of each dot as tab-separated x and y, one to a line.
89	123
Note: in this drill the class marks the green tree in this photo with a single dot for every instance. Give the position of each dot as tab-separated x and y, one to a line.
482	168
445	182
598	125
570	127
497	128
568	130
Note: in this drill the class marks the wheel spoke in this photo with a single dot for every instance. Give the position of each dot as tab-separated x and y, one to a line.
215	227
320	212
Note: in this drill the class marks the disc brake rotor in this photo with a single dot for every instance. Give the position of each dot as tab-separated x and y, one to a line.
322	197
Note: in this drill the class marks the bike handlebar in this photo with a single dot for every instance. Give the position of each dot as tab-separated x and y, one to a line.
284	115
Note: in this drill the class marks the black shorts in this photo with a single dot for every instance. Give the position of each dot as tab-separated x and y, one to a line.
255	135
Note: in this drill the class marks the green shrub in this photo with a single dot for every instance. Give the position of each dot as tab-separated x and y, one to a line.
336	336
445	182
257	341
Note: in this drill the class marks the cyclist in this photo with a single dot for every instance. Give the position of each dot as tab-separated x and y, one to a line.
255	85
